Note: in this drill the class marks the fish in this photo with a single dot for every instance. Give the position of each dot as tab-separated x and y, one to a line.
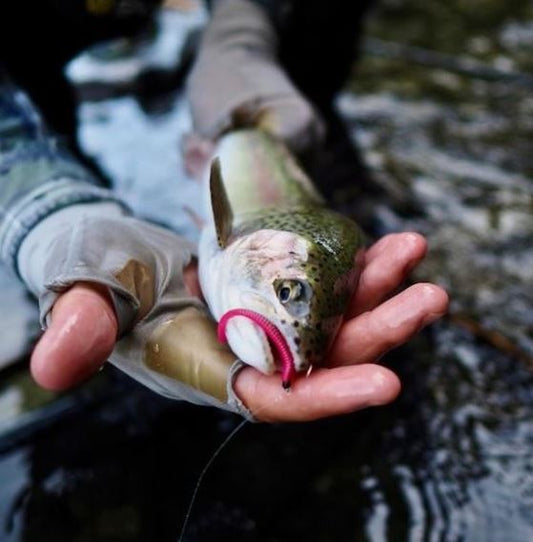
276	266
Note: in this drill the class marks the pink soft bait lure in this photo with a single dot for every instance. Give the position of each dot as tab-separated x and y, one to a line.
276	338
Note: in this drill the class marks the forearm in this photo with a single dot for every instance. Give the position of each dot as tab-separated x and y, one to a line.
238	81
38	175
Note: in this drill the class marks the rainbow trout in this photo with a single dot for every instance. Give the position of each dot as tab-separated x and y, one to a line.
273	257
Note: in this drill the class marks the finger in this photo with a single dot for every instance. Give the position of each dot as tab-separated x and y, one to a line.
79	340
368	336
387	264
325	392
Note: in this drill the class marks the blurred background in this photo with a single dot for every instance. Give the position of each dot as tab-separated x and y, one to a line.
436	124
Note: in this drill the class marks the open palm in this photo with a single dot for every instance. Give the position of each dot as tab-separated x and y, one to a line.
375	324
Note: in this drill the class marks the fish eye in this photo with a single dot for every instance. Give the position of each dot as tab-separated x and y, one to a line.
295	296
290	290
284	294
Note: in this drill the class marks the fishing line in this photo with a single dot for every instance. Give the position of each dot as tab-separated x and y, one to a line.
208	465
202	476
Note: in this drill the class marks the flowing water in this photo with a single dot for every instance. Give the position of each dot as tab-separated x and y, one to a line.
440	107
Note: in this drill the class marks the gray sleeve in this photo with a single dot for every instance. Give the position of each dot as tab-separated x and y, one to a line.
237	80
38	175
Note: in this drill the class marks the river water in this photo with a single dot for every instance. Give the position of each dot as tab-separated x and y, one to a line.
440	106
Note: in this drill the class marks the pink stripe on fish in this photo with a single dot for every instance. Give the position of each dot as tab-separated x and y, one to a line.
274	335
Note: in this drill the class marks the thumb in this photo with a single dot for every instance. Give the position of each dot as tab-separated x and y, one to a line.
79	340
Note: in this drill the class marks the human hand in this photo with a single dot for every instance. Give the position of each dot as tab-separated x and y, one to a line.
114	287
83	332
351	379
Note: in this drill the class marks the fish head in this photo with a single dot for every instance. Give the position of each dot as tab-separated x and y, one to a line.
289	281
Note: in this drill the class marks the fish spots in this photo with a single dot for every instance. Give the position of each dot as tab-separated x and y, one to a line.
322	257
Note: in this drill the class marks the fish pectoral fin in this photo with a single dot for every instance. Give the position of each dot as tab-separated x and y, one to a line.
222	212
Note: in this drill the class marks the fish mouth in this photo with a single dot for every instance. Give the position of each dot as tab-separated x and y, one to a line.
274	342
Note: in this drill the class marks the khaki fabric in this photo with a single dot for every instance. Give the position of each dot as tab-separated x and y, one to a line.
186	349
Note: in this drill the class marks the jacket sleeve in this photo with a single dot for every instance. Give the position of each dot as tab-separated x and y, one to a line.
38	175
